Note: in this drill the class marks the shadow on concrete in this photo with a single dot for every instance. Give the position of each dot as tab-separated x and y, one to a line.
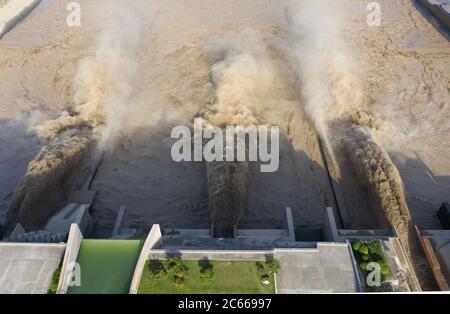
425	192
432	19
137	171
20	148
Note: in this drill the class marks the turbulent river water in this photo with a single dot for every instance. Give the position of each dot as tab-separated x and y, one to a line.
115	87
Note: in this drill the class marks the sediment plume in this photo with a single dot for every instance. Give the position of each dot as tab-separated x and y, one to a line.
103	82
102	86
328	80
335	101
45	175
382	179
236	76
227	189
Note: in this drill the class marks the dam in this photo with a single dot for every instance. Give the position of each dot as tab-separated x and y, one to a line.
87	116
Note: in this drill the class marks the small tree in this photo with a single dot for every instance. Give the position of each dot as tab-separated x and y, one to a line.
157	271
179	283
206	270
172	263
179	270
55	281
272	266
260	268
207	275
267	269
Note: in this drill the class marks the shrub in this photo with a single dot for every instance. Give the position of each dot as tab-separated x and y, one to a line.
159	270
178	282
172	263
260	269
156	270
364	249
375	248
272	266
372	252
206	270
181	271
363	266
385	270
356	245
207	275
55	281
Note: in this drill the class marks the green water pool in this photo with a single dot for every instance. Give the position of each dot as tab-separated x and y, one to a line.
107	266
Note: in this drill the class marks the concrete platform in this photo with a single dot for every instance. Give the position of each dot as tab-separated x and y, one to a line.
180	243
28	268
440	244
328	269
71	214
83	197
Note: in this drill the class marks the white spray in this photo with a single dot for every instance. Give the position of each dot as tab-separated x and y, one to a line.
327	74
103	84
334	99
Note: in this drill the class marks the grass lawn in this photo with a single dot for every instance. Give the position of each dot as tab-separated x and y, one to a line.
106	266
229	278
